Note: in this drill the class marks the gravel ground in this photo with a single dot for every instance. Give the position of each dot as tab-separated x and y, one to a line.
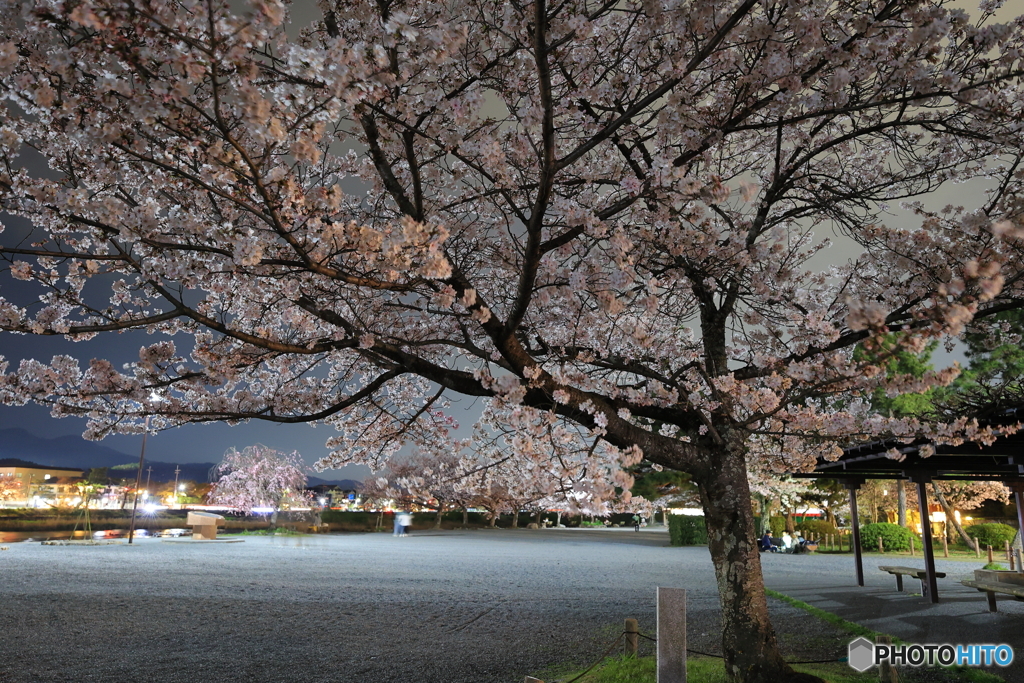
445	607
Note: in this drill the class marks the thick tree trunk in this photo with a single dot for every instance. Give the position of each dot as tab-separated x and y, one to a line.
515	519
901	503
950	517
748	638
558	519
440	514
465	516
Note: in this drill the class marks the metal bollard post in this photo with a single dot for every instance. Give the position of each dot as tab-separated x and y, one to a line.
631	638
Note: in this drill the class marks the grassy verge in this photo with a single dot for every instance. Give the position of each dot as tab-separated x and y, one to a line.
704	670
848	626
963	673
712	670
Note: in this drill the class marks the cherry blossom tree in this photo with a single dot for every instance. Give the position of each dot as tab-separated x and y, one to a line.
258	476
426	479
376	493
10	488
951	495
607	219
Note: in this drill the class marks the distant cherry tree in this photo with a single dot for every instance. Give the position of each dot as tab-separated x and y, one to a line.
257	477
606	219
10	488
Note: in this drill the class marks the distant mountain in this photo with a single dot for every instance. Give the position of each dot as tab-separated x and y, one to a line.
200	471
164	471
62	451
17	462
343	484
74	451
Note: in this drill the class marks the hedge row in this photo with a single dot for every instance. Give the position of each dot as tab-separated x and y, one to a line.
687	530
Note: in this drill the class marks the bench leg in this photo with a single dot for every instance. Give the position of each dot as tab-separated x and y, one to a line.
991	601
899	582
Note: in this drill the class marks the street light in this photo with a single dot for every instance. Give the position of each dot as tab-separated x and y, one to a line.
154	398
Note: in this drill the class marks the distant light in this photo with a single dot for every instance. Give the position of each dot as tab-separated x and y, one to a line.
323	501
181	487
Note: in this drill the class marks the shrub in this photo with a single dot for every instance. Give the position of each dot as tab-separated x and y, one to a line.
994	535
894	537
687	530
815	529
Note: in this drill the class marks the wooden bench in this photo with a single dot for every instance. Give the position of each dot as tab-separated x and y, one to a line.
990	589
900	572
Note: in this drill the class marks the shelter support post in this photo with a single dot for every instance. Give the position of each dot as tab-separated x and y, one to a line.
853	485
926	539
1018	499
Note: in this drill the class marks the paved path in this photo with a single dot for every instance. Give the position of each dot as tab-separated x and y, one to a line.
961	616
435	607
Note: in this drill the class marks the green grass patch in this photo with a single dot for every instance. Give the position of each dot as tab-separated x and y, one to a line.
702	669
712	669
964	673
848	626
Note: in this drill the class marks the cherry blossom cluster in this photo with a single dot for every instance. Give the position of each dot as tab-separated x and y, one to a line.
618	223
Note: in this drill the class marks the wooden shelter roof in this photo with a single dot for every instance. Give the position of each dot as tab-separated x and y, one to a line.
1003	460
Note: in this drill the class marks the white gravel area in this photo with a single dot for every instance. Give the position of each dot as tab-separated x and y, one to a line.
434	607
